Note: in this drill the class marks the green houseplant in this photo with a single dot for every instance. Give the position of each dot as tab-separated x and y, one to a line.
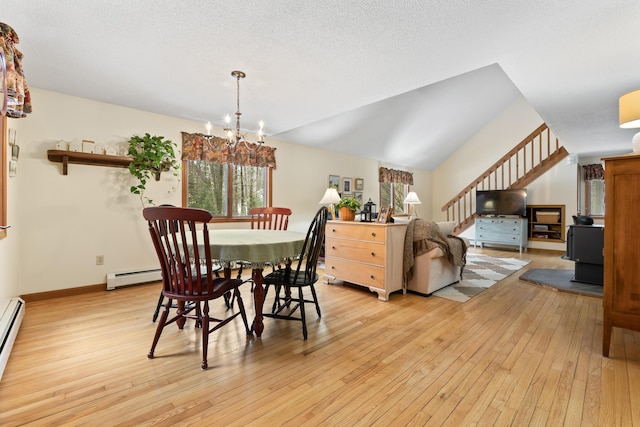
347	208
151	155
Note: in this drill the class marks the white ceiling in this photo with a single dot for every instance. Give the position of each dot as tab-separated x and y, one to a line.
402	81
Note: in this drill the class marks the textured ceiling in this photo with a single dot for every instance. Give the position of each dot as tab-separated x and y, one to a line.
377	77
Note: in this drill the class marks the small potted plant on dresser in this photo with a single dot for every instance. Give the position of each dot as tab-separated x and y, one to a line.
347	208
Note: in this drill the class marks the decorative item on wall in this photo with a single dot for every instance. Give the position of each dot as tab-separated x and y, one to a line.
88	146
62	145
331	197
358	196
359	184
75	146
629	110
334	182
347	185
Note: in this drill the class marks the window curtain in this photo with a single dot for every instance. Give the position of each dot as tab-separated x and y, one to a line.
395	176
196	146
592	172
16	83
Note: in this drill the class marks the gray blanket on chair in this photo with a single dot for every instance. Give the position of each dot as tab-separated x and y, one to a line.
423	236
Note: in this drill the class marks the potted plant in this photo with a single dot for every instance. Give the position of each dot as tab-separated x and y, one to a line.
347	208
151	155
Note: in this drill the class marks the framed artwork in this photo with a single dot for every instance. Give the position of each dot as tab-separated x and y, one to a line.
385	214
334	182
347	186
358	196
359	184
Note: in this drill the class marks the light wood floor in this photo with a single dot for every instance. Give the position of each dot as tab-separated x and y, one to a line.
517	354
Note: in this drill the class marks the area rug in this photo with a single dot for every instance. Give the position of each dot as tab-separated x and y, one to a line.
560	280
480	273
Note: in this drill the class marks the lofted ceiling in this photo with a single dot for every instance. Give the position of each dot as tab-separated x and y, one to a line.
404	82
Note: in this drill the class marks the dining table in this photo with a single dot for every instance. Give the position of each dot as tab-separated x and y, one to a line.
258	248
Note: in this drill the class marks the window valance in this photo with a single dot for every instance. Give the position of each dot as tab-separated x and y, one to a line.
196	146
16	83
593	172
395	176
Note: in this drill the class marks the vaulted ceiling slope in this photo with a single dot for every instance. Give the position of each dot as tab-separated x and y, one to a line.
405	82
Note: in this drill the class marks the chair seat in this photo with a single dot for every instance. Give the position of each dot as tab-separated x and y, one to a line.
279	277
220	287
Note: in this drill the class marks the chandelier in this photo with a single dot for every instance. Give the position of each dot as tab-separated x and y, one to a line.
234	135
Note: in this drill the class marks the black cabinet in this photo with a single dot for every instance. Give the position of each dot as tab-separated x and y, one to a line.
585	246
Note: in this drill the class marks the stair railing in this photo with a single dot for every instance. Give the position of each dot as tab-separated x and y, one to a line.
533	156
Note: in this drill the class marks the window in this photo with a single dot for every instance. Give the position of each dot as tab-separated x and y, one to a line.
594	189
227	191
225	179
393	194
394	186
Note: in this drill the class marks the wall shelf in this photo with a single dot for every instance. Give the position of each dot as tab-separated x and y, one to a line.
66	157
546	223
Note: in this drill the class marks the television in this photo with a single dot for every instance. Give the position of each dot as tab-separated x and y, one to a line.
501	202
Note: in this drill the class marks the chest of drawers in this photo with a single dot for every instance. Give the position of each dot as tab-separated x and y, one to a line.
502	231
366	254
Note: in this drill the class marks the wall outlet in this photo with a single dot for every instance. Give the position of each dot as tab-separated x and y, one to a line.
99	259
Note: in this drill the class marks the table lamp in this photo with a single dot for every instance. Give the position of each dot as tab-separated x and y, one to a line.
412	200
330	197
630	116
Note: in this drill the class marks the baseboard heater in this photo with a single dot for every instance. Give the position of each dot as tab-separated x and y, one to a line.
134	277
9	325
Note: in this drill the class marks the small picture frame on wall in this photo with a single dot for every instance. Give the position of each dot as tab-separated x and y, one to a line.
359	184
347	186
385	214
358	196
334	182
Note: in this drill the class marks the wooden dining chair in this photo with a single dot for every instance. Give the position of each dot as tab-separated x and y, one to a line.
181	239
269	218
266	218
301	274
216	268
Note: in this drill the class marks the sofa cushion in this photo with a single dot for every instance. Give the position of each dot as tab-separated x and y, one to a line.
446	227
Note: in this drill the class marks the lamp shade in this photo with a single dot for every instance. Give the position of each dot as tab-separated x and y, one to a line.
412	199
330	197
630	110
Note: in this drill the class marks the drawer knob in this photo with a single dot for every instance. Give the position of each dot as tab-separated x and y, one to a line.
333	230
373	234
332	267
333	247
372	276
373	254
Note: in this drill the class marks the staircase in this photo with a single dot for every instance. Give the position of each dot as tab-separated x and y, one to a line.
527	161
